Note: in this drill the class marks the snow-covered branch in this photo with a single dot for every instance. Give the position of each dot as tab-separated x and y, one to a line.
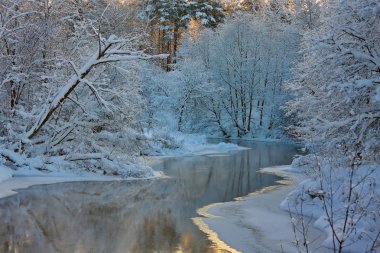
104	55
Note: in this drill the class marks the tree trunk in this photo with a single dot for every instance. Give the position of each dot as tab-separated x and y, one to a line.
65	91
261	113
250	112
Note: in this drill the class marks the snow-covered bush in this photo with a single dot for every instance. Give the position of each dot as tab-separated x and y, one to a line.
345	203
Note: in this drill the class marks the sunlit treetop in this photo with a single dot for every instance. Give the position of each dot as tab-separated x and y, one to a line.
165	14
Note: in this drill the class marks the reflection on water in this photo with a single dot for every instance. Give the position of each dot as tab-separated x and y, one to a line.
137	217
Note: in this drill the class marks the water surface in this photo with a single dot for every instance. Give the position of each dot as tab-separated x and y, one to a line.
135	216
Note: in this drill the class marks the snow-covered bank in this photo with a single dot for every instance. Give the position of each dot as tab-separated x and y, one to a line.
10	186
195	144
14	180
345	202
257	139
11	180
255	223
5	173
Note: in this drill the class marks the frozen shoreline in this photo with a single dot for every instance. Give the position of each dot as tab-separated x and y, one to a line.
256	223
9	184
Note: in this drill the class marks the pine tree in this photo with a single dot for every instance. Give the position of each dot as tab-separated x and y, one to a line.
169	19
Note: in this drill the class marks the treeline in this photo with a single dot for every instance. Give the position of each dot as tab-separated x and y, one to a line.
229	81
72	80
77	75
63	96
336	106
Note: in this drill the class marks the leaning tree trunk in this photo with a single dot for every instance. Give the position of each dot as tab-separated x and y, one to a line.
110	52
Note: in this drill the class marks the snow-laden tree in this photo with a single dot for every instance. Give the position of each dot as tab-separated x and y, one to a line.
169	19
65	96
243	64
29	60
337	105
307	12
337	81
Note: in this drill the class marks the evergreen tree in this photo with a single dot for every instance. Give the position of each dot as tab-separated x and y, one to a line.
168	20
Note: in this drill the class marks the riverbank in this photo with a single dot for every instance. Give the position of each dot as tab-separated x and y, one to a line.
11	180
256	223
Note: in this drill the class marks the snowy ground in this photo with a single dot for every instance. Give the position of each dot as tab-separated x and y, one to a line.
328	189
11	180
9	187
195	144
256	223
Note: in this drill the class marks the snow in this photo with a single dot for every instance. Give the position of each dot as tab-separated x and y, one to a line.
211	149
259	223
334	92
105	54
29	174
195	144
14	157
23	178
364	222
5	173
10	186
256	223
377	95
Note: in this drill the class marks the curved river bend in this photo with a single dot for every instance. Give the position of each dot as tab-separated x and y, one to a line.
135	216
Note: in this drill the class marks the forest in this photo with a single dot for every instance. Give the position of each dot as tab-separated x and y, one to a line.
94	86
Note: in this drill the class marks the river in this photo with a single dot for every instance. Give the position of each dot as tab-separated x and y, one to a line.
136	216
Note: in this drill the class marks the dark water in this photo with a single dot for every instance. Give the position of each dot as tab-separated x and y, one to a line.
140	216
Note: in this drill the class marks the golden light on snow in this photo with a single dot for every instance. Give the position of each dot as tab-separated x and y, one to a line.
121	1
219	245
